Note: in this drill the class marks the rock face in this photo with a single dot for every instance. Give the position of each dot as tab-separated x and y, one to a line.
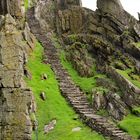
81	61
64	4
14	7
44	12
115	106
16	100
110	6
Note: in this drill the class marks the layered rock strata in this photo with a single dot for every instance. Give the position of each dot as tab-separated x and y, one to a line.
16	100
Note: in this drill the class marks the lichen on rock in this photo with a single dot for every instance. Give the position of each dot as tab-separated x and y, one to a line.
16	102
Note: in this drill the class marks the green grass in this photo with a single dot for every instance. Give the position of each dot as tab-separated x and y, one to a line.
26	4
55	106
131	124
137	44
86	84
125	74
136	110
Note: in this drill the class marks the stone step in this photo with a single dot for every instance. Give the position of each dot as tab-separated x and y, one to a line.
73	95
54	65
55	62
79	104
85	112
66	80
62	72
83	102
77	100
68	85
51	58
119	134
72	89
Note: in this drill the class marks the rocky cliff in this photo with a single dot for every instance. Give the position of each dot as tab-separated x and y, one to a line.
107	39
16	100
110	35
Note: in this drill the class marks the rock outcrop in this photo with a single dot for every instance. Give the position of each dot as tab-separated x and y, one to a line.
13	7
110	6
16	100
68	3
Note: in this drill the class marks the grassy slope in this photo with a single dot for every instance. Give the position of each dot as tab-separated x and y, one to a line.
131	124
55	106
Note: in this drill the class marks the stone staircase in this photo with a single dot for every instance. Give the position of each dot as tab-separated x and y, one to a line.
70	91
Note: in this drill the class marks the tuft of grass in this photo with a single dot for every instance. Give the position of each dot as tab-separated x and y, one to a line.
131	124
137	44
136	110
26	4
102	112
55	106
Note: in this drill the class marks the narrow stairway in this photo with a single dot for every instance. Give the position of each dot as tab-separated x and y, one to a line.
70	91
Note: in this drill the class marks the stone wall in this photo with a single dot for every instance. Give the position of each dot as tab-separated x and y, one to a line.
130	93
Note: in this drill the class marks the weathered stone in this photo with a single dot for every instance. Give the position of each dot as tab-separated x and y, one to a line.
115	106
76	129
12	56
99	100
68	3
13	7
32	3
130	92
49	127
44	76
1	21
110	6
27	73
28	36
45	13
15	105
15	100
78	56
43	96
107	83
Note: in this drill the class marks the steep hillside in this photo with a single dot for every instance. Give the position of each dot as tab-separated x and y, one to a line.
100	50
75	59
54	107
